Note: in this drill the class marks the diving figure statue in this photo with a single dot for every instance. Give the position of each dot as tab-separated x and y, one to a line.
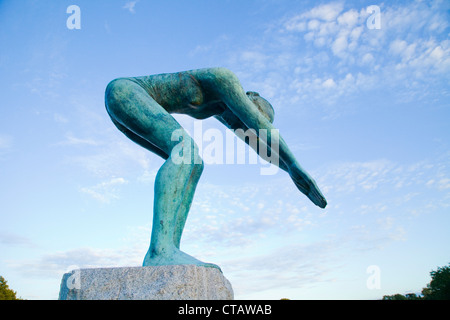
141	108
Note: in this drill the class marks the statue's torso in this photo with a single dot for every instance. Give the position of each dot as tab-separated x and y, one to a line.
181	93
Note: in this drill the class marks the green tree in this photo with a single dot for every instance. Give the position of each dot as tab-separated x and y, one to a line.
412	296
439	287
5	292
395	297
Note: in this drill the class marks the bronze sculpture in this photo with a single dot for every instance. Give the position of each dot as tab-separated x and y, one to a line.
141	108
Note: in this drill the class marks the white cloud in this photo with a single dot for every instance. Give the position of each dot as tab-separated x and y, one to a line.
399	189
443	183
10	239
358	176
292	266
5	142
397	46
235	215
105	191
345	32
332	41
255	58
112	156
54	265
297	57
229	225
367	58
326	12
130	5
70	140
322	22
98	146
340	45
329	83
309	90
59	118
386	222
348	18
229	216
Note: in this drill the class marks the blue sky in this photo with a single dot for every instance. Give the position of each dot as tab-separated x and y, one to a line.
365	111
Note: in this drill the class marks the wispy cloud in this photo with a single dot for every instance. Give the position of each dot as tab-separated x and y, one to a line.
325	55
231	225
54	265
59	118
130	5
105	191
374	197
99	148
413	32
11	239
293	266
71	140
112	158
46	80
345	33
6	144
231	214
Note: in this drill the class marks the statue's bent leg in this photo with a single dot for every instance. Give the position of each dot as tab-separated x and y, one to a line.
190	189
144	121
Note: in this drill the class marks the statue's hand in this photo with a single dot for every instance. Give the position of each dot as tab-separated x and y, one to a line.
307	185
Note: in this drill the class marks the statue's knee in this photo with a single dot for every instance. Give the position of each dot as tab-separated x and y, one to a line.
199	165
115	93
197	160
115	87
225	74
196	163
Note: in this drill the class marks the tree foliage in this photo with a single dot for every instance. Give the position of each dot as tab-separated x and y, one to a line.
5	292
437	289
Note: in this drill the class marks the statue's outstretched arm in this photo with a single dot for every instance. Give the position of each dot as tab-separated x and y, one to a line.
250	117
236	125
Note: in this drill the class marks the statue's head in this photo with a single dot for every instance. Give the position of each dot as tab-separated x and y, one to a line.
263	105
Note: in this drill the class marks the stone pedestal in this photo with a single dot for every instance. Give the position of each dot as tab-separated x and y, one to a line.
179	282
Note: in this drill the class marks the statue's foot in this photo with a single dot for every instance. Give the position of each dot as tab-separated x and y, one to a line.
173	256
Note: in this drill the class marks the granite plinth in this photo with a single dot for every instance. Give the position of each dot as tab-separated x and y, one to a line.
176	282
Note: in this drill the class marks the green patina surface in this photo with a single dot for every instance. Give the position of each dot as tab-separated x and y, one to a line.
141	108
